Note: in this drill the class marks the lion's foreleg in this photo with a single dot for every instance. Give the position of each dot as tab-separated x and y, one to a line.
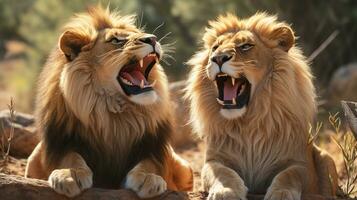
71	176
178	173
222	182
287	185
35	167
145	179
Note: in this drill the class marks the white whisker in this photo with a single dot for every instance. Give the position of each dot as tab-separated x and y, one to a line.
157	28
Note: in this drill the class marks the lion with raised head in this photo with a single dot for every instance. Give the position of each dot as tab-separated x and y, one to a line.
252	100
103	109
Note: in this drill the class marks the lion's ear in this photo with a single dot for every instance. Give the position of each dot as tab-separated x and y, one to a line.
284	37
71	44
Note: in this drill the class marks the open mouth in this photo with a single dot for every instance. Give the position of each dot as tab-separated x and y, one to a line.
233	93
133	77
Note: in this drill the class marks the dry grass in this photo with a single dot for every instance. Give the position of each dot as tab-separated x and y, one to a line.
347	143
5	144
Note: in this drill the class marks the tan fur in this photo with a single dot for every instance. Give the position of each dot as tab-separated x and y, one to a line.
266	150
83	94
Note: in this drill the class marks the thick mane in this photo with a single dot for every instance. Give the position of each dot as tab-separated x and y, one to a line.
283	103
261	24
96	19
75	114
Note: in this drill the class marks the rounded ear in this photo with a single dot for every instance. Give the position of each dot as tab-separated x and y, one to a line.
284	37
71	44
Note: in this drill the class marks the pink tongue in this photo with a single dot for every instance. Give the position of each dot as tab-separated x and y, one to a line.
230	91
134	77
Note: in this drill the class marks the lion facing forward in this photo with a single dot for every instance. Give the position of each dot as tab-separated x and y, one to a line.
104	111
252	100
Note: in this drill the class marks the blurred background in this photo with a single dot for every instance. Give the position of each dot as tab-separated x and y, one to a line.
327	31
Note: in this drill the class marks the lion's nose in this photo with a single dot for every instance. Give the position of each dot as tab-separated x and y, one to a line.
150	39
220	59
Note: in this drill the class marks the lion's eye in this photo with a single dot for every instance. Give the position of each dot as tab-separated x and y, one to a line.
116	41
214	47
245	47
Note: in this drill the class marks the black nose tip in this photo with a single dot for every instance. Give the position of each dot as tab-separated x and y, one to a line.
220	59
149	40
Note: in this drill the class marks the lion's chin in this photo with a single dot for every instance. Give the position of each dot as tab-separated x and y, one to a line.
233	113
146	98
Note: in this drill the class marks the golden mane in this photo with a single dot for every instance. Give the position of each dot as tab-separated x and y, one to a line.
264	148
104	111
70	99
285	95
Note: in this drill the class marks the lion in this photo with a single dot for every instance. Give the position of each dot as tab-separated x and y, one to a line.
252	101
104	111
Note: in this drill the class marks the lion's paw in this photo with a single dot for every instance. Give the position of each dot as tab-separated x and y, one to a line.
146	185
282	194
225	194
70	182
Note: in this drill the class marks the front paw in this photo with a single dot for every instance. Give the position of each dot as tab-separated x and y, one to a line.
70	182
146	185
226	194
282	194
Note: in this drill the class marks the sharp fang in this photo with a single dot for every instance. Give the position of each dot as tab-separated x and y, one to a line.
142	84
220	101
141	63
234	101
241	89
233	81
157	59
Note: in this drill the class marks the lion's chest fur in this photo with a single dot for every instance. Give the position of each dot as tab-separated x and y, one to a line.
256	158
109	159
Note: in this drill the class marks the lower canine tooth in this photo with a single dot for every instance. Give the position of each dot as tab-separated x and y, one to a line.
220	101
242	89
142	84
234	101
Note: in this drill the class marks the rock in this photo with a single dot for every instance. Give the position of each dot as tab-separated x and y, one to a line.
16	187
350	109
343	85
24	138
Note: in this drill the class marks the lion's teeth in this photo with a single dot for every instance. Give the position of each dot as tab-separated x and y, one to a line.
220	101
141	63
126	81
142	84
234	101
233	81
241	89
157	59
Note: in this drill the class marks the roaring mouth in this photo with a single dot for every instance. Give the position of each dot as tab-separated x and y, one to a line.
133	77
233	93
